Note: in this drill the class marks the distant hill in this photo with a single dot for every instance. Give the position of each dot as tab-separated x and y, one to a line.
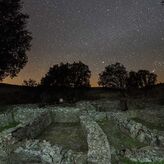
9	85
16	94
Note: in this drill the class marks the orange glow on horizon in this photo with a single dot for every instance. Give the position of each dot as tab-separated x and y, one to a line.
19	81
94	79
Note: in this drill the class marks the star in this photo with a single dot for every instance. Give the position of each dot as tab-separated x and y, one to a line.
97	32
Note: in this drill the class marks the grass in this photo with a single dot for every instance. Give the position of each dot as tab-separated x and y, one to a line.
120	140
10	125
150	125
127	161
117	138
70	136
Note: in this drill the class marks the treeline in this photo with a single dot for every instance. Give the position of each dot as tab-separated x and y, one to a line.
116	76
78	75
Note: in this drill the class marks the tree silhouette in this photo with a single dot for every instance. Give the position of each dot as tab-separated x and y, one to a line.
146	79
152	79
132	81
14	38
30	83
57	76
114	76
67	75
80	75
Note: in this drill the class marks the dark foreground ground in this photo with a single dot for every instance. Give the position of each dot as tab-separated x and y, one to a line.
13	94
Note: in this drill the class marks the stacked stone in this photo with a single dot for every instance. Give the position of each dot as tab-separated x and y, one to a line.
137	130
146	154
98	145
5	119
43	152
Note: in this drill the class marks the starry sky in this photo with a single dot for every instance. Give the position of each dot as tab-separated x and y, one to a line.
96	32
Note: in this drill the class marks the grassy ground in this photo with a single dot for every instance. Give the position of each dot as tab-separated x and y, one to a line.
11	125
70	136
126	161
119	141
150	125
117	138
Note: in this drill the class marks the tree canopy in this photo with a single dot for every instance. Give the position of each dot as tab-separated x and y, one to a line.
68	75
132	81
114	76
141	79
14	38
30	83
146	79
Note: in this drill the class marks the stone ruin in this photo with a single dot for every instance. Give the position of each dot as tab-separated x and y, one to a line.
20	144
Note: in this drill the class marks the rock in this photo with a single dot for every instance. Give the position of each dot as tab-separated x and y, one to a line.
6	119
141	137
107	105
146	154
26	113
85	106
137	130
80	158
33	128
45	153
66	114
34	120
98	146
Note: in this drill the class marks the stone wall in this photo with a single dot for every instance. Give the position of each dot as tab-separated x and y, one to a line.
137	130
98	146
65	114
34	128
45	153
153	114
10	138
25	113
99	105
6	143
85	106
6	119
145	154
107	105
34	120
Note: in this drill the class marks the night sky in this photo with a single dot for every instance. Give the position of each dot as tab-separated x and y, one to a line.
96	32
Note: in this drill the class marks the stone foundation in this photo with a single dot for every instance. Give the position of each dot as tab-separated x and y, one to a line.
34	128
98	146
45	153
137	130
146	154
16	143
6	119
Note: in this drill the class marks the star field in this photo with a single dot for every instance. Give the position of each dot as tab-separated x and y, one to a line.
97	32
